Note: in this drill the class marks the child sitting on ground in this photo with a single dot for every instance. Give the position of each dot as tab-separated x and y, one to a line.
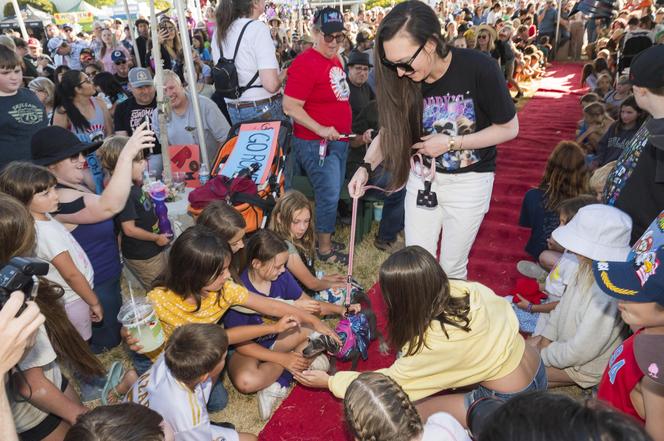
638	285
585	327
178	385
69	267
229	225
376	408
142	245
565	177
533	318
597	122
292	221
264	364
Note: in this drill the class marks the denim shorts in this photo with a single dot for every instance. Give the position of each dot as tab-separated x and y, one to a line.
539	383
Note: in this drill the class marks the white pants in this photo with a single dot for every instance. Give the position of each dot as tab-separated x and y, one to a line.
463	200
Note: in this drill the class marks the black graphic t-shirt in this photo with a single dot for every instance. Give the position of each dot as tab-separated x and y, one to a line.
470	97
140	209
129	115
21	116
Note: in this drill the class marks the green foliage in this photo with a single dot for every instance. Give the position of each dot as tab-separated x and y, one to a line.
100	3
161	5
382	3
42	5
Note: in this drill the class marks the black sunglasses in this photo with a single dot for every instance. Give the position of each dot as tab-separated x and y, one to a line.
119	62
406	67
329	38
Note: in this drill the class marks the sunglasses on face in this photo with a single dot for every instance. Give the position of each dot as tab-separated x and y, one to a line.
482	36
406	67
329	38
119	62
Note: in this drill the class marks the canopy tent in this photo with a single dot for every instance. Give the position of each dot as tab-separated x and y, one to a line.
83	6
32	17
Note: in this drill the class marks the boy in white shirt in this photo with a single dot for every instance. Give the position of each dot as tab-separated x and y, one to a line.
178	385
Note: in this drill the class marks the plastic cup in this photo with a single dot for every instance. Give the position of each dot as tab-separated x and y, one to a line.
142	322
378	211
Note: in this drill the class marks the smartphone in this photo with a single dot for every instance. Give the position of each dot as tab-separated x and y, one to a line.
149	127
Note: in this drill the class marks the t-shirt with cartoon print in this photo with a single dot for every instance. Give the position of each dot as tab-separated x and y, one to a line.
140	209
23	114
321	83
469	97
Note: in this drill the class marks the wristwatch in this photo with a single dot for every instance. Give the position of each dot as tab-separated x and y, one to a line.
452	142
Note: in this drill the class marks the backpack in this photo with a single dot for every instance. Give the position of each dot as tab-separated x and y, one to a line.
225	75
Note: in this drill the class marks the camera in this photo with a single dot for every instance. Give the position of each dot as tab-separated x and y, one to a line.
20	274
480	412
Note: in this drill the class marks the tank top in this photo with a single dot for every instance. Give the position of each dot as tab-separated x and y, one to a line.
93	134
98	240
620	378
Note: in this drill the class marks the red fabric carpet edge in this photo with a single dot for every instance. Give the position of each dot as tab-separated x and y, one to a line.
551	116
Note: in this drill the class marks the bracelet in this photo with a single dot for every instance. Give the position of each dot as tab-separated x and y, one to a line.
365	165
461	143
452	142
530	307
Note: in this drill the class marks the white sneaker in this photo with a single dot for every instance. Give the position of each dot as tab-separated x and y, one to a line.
531	270
268	398
320	363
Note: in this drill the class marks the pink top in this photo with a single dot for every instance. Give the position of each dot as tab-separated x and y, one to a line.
106	60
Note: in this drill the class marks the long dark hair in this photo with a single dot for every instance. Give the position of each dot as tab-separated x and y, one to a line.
227	12
417	291
64	97
197	257
400	99
264	246
630	101
17	238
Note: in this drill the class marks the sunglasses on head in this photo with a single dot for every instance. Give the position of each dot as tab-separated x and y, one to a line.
406	67
331	37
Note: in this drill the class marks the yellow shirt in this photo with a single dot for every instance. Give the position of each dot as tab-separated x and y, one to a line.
174	311
492	349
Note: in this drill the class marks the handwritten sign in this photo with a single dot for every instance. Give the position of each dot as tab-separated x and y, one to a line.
186	159
256	143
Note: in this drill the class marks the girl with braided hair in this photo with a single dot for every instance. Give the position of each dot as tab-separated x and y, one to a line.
377	409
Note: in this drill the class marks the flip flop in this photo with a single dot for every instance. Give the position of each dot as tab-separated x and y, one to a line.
113	379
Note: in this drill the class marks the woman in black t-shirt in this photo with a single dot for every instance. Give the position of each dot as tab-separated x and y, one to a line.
444	103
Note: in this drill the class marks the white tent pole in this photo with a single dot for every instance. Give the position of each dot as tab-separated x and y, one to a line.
159	86
19	19
191	79
130	25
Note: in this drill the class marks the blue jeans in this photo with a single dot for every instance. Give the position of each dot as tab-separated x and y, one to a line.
540	382
326	179
393	206
266	112
106	335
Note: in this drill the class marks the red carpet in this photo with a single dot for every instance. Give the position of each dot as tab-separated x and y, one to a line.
308	415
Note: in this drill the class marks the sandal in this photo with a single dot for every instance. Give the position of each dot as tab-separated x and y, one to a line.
113	379
337	246
335	255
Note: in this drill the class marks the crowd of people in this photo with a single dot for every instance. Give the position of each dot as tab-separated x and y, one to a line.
412	99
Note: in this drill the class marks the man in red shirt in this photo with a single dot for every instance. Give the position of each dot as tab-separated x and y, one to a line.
317	98
632	382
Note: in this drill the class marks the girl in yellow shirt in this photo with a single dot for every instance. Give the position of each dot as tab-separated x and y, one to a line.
452	334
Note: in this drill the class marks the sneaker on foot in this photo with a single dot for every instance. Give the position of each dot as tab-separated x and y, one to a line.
531	270
268	398
320	363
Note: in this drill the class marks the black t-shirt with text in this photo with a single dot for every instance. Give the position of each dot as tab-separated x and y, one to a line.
129	115
22	115
140	209
471	96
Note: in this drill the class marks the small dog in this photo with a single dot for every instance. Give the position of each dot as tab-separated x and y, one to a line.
320	343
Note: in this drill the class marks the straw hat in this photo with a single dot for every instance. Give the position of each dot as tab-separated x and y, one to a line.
489	29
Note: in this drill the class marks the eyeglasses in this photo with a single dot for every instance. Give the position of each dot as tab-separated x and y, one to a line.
119	62
87	80
406	67
482	36
331	37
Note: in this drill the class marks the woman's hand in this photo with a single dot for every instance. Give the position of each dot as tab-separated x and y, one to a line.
293	362
316	379
285	323
311	306
96	312
335	280
141	139
329	133
162	36
357	183
324	329
433	145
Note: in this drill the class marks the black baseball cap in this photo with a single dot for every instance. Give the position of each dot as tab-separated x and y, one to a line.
647	68
329	20
53	144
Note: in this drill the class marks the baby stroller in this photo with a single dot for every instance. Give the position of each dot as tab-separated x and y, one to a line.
253	202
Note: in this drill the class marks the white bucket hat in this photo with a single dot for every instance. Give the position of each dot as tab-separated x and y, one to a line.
598	232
